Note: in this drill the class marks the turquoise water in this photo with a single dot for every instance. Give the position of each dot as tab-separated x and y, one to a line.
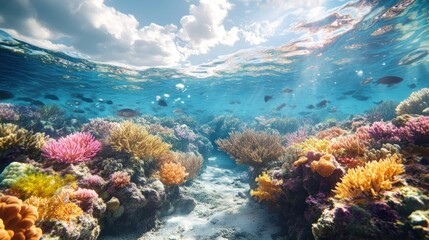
384	43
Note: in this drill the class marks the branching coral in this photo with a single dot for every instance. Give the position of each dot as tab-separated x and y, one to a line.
120	179
99	127
370	179
172	173
268	189
330	133
416	103
8	113
12	136
40	184
17	220
78	147
135	140
192	163
348	145
252	148
315	145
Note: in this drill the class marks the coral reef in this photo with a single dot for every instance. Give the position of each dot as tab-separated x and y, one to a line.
172	173
192	163
17	220
135	140
252	148
14	171
78	147
416	103
8	113
369	180
268	189
11	136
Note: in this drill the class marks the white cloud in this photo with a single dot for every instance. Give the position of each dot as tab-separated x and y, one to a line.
259	32
204	29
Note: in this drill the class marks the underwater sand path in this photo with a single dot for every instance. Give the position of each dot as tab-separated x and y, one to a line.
223	211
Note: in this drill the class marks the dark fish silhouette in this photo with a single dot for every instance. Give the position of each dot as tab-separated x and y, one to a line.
51	97
110	102
88	100
311	106
322	104
389	80
78	111
412	85
77	95
162	103
279	107
267	98
379	102
126	112
37	103
360	97
349	92
235	102
6	95
287	90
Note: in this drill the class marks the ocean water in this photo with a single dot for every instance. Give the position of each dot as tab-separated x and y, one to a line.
346	68
385	43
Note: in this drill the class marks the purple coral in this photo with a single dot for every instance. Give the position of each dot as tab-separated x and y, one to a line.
296	137
417	130
78	147
382	132
8	113
99	127
184	132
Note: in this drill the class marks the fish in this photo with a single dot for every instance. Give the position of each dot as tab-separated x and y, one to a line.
77	95
311	106
389	80
360	97
88	100
126	112
287	90
279	107
349	92
110	102
235	102
366	81
78	111
51	97
267	98
6	95
38	103
378	103
412	85
322	104
162	103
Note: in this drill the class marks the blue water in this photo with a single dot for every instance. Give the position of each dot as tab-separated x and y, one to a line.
238	84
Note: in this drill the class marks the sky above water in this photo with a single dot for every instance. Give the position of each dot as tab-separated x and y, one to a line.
144	33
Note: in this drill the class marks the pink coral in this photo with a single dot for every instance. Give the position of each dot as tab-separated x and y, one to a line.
92	181
417	130
382	132
120	179
78	147
8	113
296	137
85	199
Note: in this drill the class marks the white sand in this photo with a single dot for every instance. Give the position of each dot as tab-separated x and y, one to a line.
220	212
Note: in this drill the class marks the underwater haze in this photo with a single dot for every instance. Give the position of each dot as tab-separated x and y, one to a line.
347	81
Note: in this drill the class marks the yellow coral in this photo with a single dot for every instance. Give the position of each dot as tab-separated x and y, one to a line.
172	173
57	207
134	139
17	220
13	136
416	103
324	167
40	184
370	179
253	148
315	145
268	189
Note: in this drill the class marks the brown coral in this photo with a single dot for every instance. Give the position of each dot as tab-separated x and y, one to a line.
134	139
252	148
370	179
416	103
330	133
12	136
192	163
17	220
325	166
349	145
172	173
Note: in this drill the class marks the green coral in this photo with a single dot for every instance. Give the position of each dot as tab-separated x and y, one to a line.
14	171
41	184
12	136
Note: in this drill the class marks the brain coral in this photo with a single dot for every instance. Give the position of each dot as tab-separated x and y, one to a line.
17	220
416	103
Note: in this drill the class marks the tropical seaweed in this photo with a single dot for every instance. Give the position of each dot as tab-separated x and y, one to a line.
135	140
369	180
252	148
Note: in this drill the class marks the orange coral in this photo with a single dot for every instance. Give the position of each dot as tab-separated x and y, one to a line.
349	145
268	189
172	173
17	220
370	179
325	166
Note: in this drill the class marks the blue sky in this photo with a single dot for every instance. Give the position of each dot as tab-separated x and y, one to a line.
143	33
